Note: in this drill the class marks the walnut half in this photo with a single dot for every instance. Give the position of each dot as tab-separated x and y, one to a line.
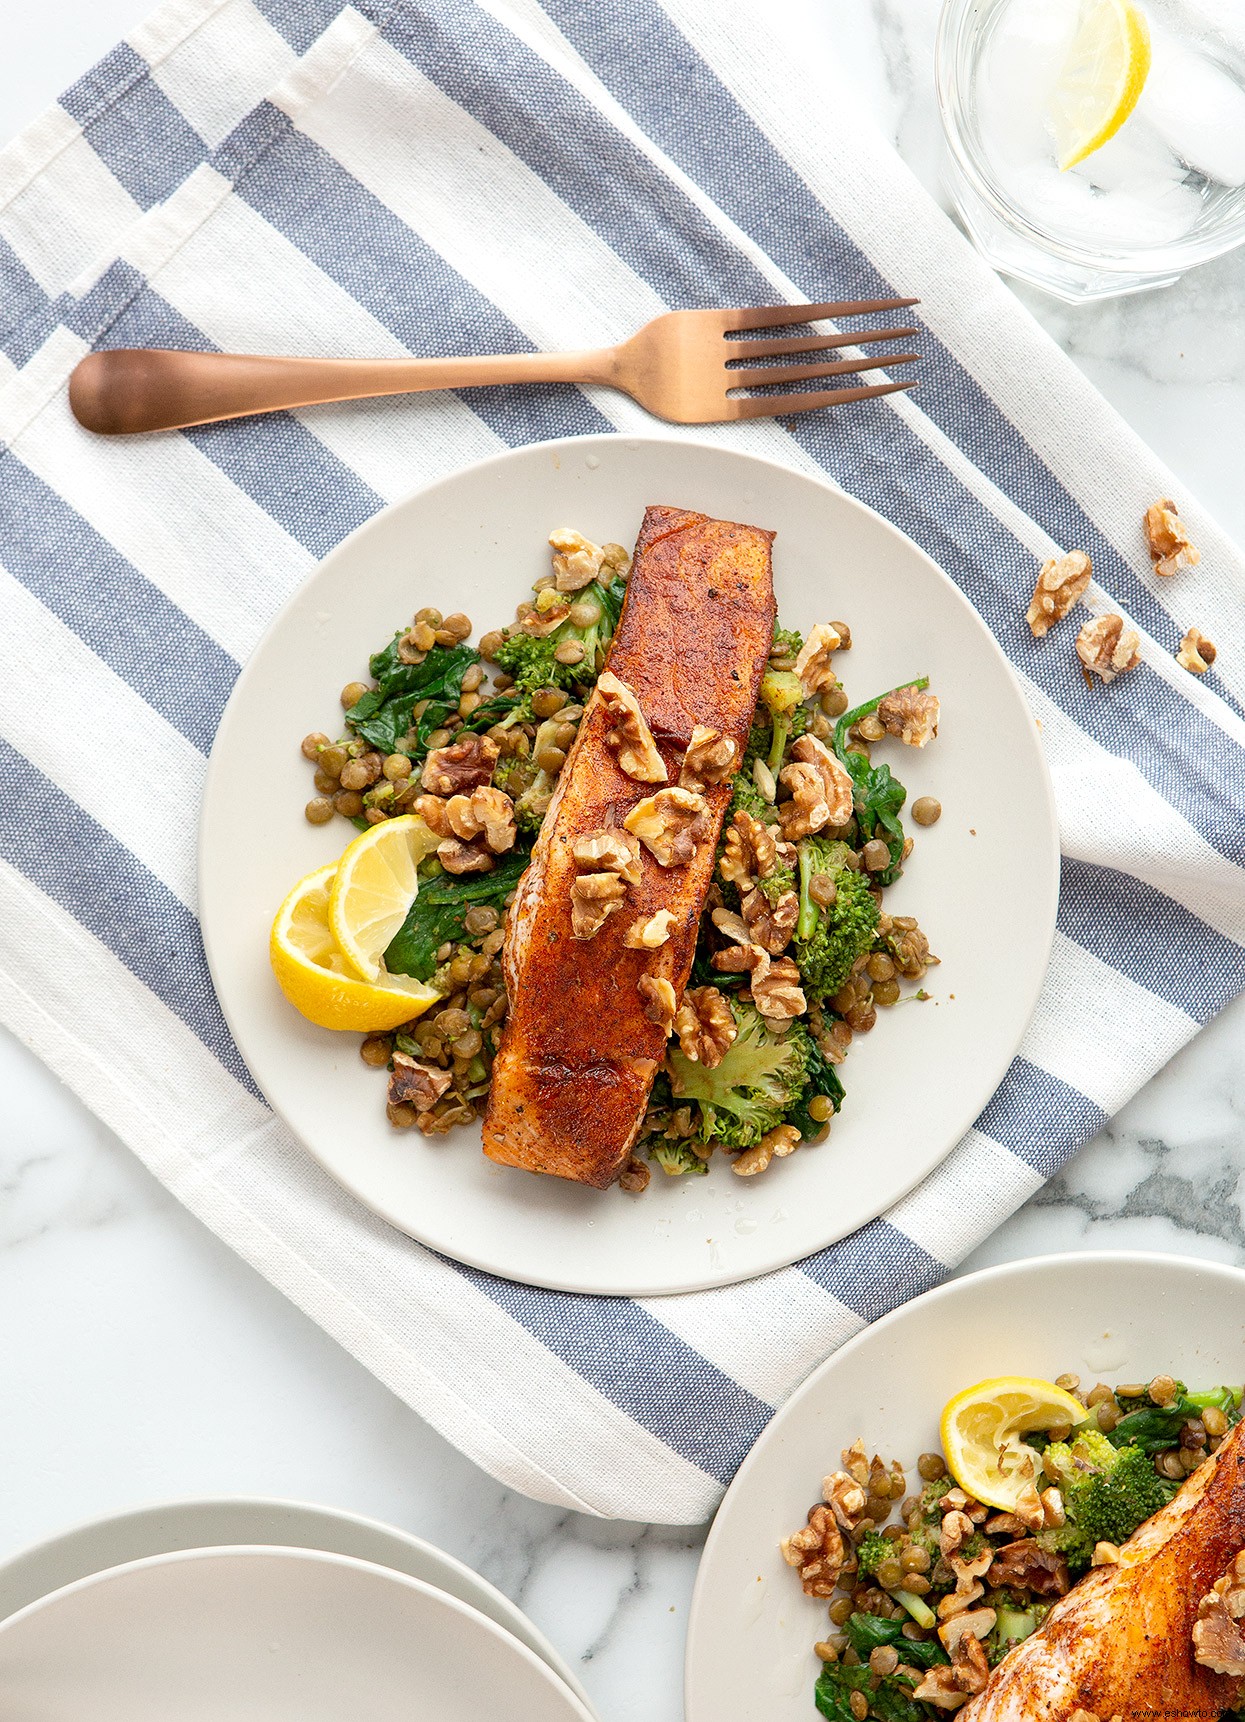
629	736
710	758
1061	583
910	714
1218	1638
1170	546
461	767
817	1551
1108	648
670	824
415	1084
821	790
705	1025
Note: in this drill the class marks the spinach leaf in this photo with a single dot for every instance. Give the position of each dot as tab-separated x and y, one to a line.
866	1631
891	1699
823	1078
877	795
436	916
383	716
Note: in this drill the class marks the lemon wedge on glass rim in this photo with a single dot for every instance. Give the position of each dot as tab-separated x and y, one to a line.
983	1430
374	887
318	981
1102	78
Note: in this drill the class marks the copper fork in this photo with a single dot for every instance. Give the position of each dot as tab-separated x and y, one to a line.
685	366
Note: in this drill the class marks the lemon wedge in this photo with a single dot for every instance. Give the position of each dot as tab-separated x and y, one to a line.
1102	77
982	1430
316	978
376	884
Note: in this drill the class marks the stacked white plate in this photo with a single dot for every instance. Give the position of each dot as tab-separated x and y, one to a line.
265	1611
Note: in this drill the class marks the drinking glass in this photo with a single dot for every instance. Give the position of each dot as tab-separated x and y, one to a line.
1166	192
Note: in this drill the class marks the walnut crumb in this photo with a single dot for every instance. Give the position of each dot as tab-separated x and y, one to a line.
1170	546
1196	653
1060	585
594	898
1108	647
629	736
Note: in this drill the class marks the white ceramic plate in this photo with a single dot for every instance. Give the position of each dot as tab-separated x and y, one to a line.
1113	1317
159	1530
475	542
267	1635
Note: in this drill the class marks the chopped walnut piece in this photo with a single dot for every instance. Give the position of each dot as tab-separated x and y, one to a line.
974	1623
938	1686
817	1550
459	857
577	560
751	851
1218	1637
821	790
911	714
710	758
777	992
1108	648
1026	1566
970	1666
1196	653
776	1144
1170	546
649	933
956	1529
1060	585
846	1497
670	824
812	665
1053	1510
629	736
1083	1716
485	812
659	1000
415	1084
432	810
770	924
705	1025
968	1574
545	615
461	767
594	898
610	850
1105	1555
1029	1509
634	1176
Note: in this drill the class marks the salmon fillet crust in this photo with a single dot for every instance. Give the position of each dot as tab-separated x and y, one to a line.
577	1059
1121	1642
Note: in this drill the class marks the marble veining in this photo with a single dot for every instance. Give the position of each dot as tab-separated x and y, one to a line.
141	1360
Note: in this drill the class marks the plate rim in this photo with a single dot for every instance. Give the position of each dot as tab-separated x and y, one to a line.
997	1273
584	445
321	1557
150	1510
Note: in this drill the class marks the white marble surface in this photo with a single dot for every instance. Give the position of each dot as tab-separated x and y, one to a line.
140	1360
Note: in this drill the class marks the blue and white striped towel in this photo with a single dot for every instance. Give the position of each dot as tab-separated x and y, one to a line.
437	176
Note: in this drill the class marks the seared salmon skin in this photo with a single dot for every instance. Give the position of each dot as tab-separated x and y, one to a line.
577	1059
1121	1642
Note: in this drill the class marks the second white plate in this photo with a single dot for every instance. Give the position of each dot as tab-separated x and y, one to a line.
475	542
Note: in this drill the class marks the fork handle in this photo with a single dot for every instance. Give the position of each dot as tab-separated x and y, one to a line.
127	389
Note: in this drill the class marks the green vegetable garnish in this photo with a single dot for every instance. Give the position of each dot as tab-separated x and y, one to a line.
876	795
436	916
384	715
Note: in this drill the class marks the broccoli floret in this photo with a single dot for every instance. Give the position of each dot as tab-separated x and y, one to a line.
760	1080
777	884
788	642
782	695
532	662
872	1549
828	940
1108	1492
530	788
676	1159
746	796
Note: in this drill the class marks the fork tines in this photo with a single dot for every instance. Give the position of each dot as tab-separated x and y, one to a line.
778	348
777	316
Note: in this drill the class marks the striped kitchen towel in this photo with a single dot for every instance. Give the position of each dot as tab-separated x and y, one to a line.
434	176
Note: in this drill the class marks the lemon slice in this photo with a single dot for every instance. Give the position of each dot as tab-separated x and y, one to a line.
316	978
982	1430
374	889
1102	77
